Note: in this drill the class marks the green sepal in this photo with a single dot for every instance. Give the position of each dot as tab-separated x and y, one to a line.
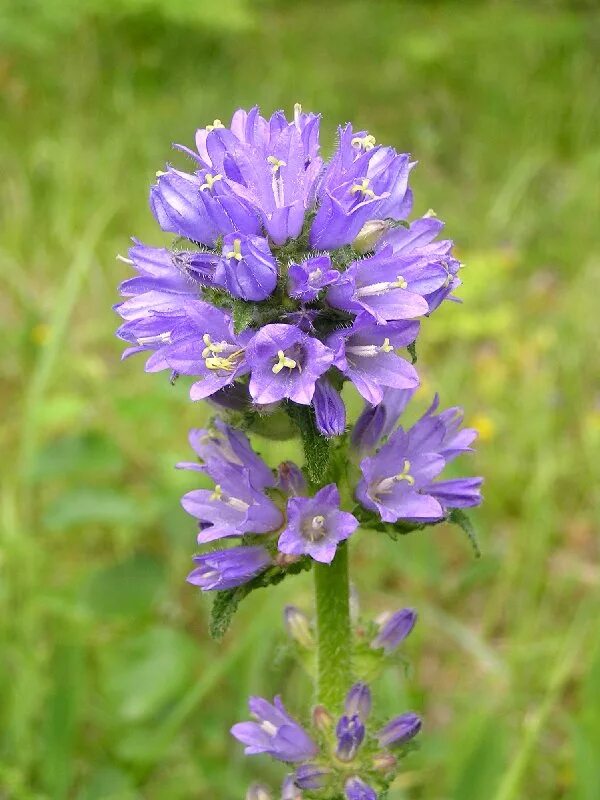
226	602
412	349
459	517
243	315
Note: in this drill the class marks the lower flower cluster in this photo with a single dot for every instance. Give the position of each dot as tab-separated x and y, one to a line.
337	756
394	471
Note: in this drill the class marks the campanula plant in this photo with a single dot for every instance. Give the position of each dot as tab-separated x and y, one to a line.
289	276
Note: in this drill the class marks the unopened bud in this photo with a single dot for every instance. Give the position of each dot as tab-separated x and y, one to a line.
322	719
384	762
311	776
298	626
370	233
258	792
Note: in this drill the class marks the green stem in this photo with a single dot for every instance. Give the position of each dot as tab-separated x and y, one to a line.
334	637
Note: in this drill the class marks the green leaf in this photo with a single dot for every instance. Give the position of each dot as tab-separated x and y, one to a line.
243	315
227	601
412	349
317	449
460	518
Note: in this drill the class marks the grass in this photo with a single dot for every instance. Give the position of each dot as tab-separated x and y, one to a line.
109	686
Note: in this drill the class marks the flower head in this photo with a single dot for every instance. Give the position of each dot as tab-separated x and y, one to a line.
315	525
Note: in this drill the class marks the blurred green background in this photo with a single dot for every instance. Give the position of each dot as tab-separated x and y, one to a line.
109	686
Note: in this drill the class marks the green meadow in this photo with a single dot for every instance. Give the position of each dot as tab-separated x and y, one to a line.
110	688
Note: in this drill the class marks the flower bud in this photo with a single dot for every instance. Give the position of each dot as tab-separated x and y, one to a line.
395	629
350	733
358	701
370	233
384	762
322	719
311	776
289	790
258	792
400	730
290	479
298	626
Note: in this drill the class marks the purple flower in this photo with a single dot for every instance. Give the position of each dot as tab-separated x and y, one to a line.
357	789
400	730
290	479
204	345
224	569
315	525
365	353
350	733
416	243
309	277
386	286
224	443
311	776
188	205
358	701
395	629
330	411
159	270
378	421
361	182
285	362
234	507
274	732
398	481
247	268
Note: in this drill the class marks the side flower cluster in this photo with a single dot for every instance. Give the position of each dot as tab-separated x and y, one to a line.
288	276
335	756
277	519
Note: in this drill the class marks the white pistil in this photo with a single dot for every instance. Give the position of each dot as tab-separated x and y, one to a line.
210	181
216	124
370	350
283	361
363	188
385	486
366	142
213	347
159	338
380	288
237	250
124	260
405	474
297	112
268	727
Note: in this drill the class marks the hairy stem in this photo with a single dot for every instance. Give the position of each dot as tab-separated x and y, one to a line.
334	638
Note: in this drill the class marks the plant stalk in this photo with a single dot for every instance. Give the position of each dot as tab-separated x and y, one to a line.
334	636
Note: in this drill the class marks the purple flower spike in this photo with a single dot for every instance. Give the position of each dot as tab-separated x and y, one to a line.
350	733
357	789
247	269
330	411
311	776
305	280
274	733
366	353
400	730
358	701
285	363
315	525
395	629
224	569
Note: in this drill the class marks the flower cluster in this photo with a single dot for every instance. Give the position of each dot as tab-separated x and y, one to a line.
277	520
336	756
288	276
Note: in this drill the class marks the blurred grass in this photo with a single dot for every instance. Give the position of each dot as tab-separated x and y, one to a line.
109	687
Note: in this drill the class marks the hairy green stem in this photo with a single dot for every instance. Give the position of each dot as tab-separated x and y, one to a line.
334	637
